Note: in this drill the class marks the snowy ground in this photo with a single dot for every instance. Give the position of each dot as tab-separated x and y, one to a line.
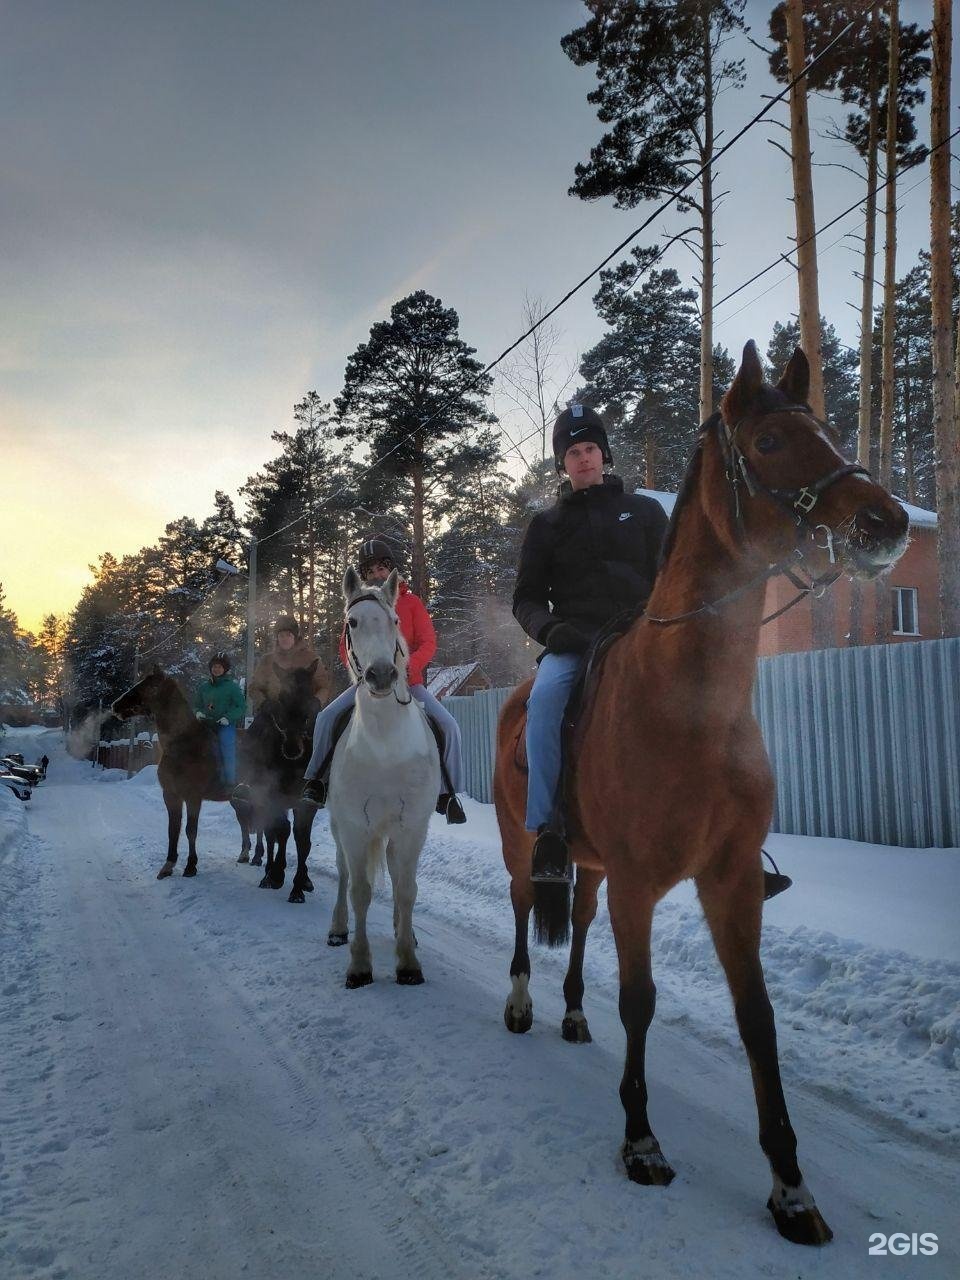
189	1090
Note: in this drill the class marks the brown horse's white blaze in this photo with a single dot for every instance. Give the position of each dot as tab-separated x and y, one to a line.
672	780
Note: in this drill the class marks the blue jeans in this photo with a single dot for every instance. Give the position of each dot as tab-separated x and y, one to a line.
323	731
227	749
548	697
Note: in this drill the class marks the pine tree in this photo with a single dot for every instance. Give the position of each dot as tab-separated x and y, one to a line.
406	396
660	69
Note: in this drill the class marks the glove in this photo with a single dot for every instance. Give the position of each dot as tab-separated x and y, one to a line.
563	638
223	720
201	716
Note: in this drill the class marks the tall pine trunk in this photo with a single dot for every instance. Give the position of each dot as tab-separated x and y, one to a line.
887	385
706	182
945	431
803	207
419	561
865	409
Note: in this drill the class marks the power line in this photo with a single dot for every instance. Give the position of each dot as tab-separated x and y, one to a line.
662	208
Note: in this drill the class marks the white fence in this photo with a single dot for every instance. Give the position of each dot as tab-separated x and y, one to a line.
865	743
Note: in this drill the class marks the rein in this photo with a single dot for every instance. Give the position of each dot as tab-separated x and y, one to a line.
354	662
798	503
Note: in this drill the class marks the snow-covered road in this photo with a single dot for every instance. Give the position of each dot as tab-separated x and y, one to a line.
189	1090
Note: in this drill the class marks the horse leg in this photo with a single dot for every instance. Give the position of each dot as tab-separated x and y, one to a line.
244	820
360	969
518	1013
631	914
277	832
257	859
174	807
302	822
733	912
339	922
574	1027
193	822
402	857
265	825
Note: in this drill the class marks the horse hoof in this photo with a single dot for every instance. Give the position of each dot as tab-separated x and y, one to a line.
166	870
296	895
520	1022
804	1227
244	857
337	939
355	980
645	1163
307	884
257	860
409	977
189	870
574	1029
265	883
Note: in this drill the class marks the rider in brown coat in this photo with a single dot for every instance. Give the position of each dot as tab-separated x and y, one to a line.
290	652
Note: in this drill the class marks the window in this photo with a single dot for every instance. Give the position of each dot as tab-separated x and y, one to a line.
906	620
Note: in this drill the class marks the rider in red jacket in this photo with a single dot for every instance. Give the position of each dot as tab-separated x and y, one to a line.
376	562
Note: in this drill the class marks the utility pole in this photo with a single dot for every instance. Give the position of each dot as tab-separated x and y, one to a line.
251	618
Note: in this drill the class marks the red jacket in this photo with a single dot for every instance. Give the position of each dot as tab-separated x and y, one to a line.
416	628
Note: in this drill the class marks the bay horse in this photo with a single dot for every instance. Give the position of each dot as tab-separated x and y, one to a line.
272	762
189	768
671	777
384	780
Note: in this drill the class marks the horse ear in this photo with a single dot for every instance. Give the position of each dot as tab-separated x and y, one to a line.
746	385
391	587
795	382
352	586
311	670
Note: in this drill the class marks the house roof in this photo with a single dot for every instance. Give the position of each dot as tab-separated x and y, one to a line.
443	681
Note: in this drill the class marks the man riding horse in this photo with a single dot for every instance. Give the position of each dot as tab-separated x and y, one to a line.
590	557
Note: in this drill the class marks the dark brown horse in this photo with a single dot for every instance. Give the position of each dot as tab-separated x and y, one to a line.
672	779
189	768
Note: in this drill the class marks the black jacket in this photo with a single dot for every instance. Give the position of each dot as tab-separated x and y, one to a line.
591	556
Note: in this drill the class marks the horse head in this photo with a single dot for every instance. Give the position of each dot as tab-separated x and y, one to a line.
143	698
293	709
791	491
376	650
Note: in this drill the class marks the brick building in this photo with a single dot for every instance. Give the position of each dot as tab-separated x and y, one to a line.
901	607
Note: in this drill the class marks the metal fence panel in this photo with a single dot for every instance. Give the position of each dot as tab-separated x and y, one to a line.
864	742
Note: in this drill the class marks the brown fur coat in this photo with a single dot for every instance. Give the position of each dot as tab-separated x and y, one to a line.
264	682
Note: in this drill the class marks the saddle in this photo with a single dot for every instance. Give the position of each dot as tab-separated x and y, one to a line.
340	728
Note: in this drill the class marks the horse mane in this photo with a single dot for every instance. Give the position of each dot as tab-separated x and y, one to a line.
691	478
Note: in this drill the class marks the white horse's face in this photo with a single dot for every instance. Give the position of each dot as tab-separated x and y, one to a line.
376	650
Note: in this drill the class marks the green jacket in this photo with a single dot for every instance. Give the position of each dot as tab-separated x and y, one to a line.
219	698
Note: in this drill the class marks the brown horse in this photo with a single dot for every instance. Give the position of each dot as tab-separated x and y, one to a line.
672	780
189	769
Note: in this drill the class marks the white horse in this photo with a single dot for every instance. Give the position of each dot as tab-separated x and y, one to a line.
384	780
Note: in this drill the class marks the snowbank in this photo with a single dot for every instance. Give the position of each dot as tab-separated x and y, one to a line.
13	820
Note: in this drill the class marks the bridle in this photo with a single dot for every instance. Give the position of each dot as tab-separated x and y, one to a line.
798	503
356	667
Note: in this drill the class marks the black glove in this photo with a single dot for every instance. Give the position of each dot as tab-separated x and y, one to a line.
563	638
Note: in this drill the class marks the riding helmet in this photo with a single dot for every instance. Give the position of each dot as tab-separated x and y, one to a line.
577	423
286	622
223	659
373	549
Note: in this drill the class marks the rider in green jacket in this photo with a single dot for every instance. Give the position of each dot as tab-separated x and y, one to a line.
220	703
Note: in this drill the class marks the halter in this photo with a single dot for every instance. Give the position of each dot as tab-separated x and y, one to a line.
352	659
798	503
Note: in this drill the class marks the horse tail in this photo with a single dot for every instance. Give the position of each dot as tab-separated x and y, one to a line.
551	913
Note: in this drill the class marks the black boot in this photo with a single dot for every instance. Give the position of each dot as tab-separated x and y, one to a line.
451	806
551	862
314	793
774	881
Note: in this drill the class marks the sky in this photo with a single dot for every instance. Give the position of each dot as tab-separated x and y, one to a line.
205	206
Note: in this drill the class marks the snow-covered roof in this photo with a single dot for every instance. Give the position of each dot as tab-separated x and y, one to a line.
443	681
919	517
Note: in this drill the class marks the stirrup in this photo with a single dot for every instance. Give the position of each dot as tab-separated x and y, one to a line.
551	862
241	793
774	881
454	811
315	793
